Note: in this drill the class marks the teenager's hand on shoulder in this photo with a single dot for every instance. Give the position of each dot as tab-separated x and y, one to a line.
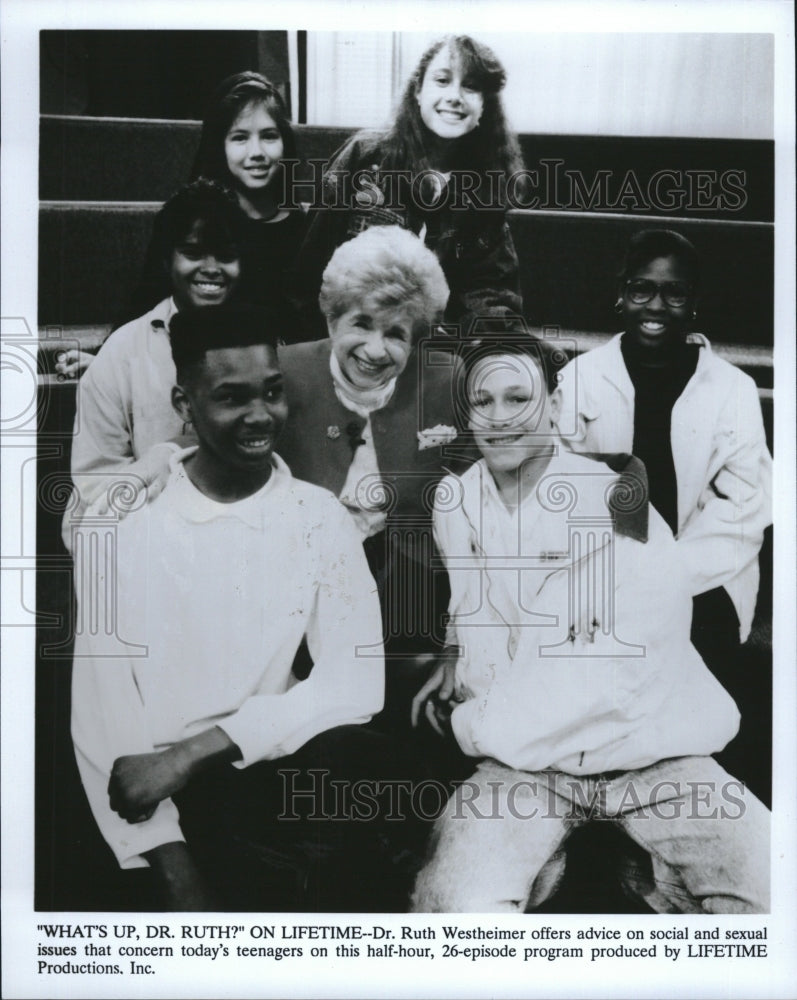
143	480
435	700
72	363
156	466
428	691
140	781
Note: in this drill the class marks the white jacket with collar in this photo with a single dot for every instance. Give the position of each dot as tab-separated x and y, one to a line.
573	636
722	466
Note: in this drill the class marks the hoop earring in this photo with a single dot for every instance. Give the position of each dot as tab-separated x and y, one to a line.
618	306
694	314
188	427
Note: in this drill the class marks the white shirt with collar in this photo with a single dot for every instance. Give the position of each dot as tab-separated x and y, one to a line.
218	597
574	638
722	465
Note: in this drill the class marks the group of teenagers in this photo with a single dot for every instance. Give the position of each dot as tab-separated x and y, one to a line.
387	536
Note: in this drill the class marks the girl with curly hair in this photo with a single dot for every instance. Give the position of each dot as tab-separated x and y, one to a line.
440	170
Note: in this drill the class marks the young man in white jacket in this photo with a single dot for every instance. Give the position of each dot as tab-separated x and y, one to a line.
571	673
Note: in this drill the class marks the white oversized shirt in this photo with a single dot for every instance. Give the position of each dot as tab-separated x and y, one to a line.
213	600
574	637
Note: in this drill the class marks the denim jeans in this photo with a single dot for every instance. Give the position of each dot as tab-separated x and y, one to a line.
499	844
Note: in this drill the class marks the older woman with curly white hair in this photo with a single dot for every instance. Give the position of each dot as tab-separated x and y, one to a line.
372	417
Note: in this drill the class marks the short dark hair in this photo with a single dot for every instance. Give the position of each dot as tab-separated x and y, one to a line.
203	201
194	332
515	340
649	244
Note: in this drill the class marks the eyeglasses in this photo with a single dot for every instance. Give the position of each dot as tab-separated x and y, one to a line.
642	290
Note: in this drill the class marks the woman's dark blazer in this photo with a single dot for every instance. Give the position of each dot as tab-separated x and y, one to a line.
318	436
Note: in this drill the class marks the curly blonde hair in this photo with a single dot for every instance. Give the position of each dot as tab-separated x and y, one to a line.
392	265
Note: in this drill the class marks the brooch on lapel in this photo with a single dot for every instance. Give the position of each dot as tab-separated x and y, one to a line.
433	437
333	432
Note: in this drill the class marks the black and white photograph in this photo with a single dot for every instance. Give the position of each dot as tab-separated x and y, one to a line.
398	489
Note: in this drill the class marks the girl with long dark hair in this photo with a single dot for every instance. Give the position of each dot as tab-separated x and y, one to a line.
246	136
440	170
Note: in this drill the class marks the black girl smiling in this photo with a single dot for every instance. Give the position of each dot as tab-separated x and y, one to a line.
657	298
660	391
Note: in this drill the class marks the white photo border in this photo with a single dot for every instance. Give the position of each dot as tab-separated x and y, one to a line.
20	23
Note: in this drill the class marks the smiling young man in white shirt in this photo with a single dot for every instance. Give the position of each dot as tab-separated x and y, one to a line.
217	582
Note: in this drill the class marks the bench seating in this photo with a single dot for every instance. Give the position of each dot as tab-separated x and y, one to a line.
90	256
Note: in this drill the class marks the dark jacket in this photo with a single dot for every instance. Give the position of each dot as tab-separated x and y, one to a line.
316	440
473	243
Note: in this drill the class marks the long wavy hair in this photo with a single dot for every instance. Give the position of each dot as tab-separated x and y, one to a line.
234	94
492	145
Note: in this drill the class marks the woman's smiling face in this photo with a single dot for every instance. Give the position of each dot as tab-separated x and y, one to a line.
448	106
253	148
658	324
202	275
372	343
510	410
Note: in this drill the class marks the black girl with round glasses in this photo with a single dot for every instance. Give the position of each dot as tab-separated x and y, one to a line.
657	390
